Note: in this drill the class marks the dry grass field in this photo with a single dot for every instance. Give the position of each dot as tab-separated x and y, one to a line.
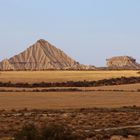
84	111
61	76
65	100
54	100
127	87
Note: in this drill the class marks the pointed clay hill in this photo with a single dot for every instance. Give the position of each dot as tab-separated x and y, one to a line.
41	56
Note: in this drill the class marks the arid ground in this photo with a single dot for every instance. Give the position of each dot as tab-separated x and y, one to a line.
98	113
65	100
91	124
61	76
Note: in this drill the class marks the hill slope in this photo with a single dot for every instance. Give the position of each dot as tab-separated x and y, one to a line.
122	62
41	56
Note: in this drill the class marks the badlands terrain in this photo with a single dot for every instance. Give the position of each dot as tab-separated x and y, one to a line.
42	56
107	112
42	85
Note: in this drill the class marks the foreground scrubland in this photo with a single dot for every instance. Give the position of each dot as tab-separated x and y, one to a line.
91	124
87	105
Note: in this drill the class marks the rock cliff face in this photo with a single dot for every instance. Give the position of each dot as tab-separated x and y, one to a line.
42	56
122	62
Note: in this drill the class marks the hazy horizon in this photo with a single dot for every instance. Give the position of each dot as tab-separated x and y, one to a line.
89	31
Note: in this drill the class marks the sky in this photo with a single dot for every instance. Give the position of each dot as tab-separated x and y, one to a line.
87	30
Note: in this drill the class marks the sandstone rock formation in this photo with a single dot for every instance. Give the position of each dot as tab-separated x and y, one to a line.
5	65
42	56
122	62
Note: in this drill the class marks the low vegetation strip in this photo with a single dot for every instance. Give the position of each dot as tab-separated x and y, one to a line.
64	90
104	82
60	132
70	124
43	90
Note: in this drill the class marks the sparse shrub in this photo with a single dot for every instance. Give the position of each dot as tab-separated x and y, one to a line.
138	90
57	132
126	132
28	132
138	72
48	132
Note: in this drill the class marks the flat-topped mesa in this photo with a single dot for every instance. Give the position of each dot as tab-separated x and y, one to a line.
42	56
122	62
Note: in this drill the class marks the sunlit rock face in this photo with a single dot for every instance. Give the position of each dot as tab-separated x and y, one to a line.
42	56
122	62
6	65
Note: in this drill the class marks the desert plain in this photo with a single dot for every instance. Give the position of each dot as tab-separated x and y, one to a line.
114	108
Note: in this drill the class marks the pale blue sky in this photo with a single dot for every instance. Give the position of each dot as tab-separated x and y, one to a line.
88	30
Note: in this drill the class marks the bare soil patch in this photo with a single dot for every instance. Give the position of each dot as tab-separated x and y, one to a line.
60	100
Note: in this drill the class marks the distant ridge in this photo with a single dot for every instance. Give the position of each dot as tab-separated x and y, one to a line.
42	56
122	62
